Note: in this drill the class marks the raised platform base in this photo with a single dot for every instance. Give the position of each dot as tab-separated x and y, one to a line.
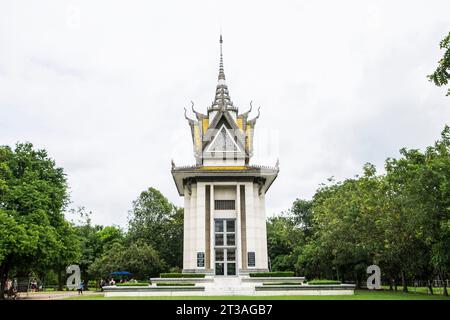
231	286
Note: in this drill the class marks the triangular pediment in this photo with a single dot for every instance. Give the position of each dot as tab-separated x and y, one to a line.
222	117
223	142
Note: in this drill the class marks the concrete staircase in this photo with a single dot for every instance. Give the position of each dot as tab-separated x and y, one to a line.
228	286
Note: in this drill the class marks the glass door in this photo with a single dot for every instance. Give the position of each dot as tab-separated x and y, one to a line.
225	247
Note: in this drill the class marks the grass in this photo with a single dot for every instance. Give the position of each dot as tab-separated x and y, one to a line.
359	295
282	283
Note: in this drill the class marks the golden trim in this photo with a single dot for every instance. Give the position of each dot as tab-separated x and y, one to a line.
224	168
205	124
198	140
239	123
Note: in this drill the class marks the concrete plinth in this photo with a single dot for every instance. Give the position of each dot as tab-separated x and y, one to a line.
231	286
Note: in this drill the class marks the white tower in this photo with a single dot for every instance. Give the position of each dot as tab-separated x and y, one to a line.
224	196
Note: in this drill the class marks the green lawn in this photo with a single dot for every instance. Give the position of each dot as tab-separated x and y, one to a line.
359	295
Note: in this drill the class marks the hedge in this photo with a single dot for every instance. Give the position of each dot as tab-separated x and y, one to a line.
166	284
182	275
313	282
272	274
133	284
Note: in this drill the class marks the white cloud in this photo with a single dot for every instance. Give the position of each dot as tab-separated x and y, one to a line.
102	85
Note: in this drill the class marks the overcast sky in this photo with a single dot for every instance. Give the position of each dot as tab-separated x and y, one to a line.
101	85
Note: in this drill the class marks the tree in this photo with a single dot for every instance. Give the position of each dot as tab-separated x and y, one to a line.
399	221
139	258
159	223
421	183
302	215
142	260
33	194
282	238
441	75
344	230
69	252
94	240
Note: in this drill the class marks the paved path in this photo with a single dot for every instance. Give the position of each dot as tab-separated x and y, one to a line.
53	295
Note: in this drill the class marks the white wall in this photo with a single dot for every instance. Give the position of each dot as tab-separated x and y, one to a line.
194	221
220	162
256	225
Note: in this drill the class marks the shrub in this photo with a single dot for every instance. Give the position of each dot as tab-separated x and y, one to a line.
166	284
272	274
317	281
133	284
182	275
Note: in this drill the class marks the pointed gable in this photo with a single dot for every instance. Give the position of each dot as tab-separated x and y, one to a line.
223	122
223	142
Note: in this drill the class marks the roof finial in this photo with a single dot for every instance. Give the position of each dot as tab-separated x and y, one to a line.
222	98
221	72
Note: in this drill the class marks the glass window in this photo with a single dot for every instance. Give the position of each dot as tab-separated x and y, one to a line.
219	239
219	269
230	239
218	225
225	247
231	269
231	255
230	226
219	254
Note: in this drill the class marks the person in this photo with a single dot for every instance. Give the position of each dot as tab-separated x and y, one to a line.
80	287
34	285
10	290
8	285
102	284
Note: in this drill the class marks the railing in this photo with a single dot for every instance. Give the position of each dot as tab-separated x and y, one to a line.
248	166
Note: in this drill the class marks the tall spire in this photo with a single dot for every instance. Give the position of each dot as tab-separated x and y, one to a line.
222	97
221	72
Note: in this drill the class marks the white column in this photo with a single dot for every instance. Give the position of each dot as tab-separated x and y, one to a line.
264	262
200	222
260	228
238	229
212	238
187	229
192	241
250	218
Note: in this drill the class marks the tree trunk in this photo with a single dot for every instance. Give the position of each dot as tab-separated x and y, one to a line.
4	269
430	286
2	282
60	280
357	285
391	287
404	285
395	284
444	283
86	280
